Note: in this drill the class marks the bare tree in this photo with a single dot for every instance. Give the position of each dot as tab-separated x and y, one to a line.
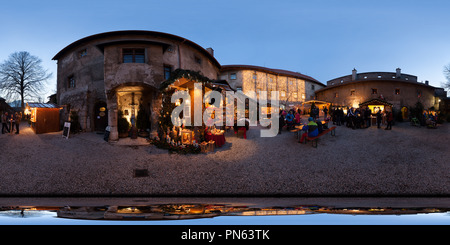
447	75
22	76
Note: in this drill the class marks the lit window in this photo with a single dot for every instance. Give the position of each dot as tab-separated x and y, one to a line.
336	95
352	92
374	91
397	91
233	76
134	55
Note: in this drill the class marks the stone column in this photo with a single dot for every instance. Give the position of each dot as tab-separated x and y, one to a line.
111	100
155	113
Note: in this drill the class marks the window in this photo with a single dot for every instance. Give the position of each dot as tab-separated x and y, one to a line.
233	76
374	91
197	60
82	53
352	92
71	82
397	91
133	55
167	72
336	95
312	86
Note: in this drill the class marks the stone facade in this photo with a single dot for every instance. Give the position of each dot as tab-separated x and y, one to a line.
396	88
100	75
294	88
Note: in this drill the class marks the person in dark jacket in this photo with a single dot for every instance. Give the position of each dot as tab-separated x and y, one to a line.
379	117
281	122
389	119
5	122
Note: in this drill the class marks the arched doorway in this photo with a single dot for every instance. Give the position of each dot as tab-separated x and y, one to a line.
100	116
126	101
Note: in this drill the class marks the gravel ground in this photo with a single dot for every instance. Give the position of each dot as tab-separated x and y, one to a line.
405	161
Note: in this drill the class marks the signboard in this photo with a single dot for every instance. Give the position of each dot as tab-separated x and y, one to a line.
107	132
66	130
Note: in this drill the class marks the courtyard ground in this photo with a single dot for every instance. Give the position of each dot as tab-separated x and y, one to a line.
405	161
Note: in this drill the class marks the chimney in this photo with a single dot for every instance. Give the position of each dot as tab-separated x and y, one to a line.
399	73
211	51
354	74
426	82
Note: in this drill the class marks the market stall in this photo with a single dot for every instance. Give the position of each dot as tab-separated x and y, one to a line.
44	117
193	138
376	105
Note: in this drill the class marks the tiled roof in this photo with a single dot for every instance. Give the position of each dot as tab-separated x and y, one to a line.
42	105
271	70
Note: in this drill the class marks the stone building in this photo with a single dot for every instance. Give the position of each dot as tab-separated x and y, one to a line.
102	74
294	88
400	90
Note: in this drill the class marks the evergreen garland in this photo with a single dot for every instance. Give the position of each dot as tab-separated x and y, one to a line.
180	73
165	120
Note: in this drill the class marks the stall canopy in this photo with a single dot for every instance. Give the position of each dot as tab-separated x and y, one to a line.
44	117
316	102
377	104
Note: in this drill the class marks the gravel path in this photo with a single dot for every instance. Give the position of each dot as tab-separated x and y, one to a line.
376	162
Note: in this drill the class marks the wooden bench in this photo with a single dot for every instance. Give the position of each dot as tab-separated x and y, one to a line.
314	139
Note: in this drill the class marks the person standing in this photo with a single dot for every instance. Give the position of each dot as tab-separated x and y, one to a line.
12	122
18	119
379	117
281	122
389	119
325	112
5	122
367	115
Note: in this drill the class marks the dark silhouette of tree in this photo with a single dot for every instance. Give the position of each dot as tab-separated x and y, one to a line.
447	75
22	76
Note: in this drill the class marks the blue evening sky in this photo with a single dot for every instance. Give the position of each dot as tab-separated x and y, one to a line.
324	39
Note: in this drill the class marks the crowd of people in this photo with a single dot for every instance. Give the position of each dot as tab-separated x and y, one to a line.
290	119
11	121
358	118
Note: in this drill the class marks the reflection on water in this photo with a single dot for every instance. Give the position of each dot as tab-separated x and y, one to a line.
210	213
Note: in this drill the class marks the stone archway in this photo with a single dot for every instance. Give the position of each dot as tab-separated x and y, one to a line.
127	100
